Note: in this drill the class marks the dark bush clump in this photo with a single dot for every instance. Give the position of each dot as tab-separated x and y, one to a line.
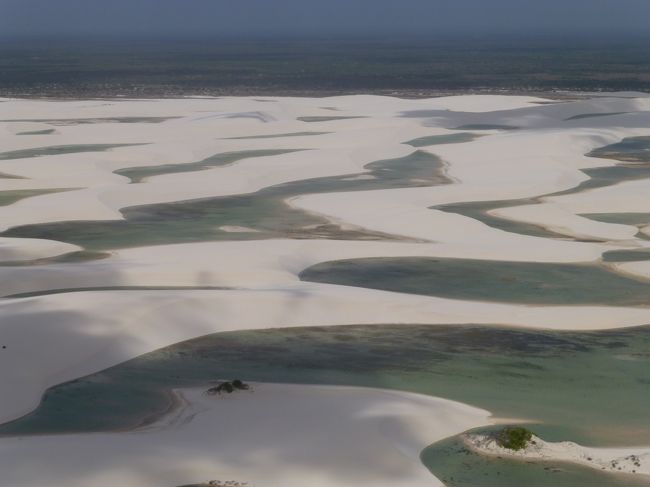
237	384
228	387
514	438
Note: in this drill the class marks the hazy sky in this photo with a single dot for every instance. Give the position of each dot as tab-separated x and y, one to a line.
321	17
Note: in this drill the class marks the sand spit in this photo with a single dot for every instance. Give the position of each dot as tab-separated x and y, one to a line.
617	460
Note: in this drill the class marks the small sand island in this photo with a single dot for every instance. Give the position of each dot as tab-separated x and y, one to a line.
521	443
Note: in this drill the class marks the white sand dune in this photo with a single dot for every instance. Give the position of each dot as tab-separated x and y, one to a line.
500	167
55	338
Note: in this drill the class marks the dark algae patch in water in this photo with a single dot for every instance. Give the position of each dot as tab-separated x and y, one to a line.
486	280
589	387
265	212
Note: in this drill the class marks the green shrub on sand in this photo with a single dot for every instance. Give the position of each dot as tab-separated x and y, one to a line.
514	438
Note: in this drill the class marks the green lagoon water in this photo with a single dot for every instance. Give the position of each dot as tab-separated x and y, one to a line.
10	176
277	136
325	119
265	212
640	219
88	121
56	150
487	280
632	255
601	177
630	149
87	289
486	126
458	138
589	387
582	116
479	210
38	132
69	258
12	196
138	174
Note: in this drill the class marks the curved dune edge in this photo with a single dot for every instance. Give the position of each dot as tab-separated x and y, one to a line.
633	460
277	434
21	249
639	269
56	338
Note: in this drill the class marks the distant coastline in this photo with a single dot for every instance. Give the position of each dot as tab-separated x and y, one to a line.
155	94
319	68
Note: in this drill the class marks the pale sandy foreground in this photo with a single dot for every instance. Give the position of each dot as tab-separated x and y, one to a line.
274	435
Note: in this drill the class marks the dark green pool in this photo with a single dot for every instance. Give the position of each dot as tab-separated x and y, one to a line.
487	280
56	150
458	138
